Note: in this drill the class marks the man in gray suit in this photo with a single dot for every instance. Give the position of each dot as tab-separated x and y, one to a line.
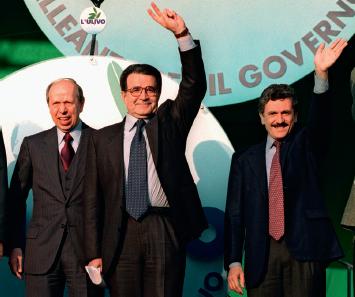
52	164
348	220
3	191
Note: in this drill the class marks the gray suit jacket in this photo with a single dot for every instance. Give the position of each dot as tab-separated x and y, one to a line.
348	220
54	208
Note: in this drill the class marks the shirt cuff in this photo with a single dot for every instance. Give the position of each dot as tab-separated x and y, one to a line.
186	43
320	85
235	264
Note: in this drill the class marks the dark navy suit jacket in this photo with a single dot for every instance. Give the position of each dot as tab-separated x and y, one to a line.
309	234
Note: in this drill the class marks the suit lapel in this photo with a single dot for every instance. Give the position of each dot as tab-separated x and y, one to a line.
285	147
115	150
81	157
257	164
50	157
152	134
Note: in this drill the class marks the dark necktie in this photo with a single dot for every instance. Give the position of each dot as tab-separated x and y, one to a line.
67	153
276	197
137	199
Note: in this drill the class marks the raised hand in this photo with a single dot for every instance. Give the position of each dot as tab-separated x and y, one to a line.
326	56
167	18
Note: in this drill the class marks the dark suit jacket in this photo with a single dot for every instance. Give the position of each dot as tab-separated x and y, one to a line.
309	234
3	186
37	168
167	133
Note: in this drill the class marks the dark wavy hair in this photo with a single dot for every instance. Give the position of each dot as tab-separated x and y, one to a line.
277	92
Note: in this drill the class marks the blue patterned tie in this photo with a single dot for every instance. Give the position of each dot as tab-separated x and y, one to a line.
137	199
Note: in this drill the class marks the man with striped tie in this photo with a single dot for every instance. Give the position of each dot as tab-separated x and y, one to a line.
52	164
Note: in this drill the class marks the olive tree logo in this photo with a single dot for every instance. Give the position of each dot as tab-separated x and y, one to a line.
94	15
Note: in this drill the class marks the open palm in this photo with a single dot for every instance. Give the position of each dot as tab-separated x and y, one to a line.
326	56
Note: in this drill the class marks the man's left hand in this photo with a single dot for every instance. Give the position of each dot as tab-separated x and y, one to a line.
326	56
167	18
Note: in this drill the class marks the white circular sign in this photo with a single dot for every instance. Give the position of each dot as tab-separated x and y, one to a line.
92	20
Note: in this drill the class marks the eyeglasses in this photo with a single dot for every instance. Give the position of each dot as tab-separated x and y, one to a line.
137	91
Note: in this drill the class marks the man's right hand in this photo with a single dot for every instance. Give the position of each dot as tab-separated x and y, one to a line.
236	279
16	262
96	263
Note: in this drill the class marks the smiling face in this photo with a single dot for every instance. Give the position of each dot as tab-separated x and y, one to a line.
278	117
142	106
64	105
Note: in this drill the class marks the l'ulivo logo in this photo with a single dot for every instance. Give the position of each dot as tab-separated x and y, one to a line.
94	17
92	20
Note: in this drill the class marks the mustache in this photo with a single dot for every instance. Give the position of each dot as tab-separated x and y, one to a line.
282	125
